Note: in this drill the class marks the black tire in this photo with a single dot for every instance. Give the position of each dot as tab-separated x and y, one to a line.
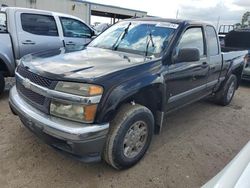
222	96
128	116
2	84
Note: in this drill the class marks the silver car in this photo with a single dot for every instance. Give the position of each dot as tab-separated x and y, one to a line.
24	31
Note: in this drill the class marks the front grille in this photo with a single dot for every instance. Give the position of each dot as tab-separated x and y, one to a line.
45	82
35	97
38	101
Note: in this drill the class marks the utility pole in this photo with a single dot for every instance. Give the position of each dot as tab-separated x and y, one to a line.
177	13
218	23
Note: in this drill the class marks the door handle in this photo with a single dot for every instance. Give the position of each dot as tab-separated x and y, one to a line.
212	68
70	43
204	65
28	42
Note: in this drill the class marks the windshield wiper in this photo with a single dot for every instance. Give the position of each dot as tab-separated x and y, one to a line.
150	40
121	37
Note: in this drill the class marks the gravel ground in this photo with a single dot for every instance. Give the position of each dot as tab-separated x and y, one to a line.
196	143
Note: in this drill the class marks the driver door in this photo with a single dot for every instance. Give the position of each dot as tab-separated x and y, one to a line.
186	81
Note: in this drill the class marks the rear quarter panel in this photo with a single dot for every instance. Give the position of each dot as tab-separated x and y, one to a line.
232	61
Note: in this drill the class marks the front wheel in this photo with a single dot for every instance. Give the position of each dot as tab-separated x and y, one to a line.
2	83
129	137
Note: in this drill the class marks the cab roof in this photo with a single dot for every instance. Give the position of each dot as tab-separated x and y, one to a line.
177	21
36	11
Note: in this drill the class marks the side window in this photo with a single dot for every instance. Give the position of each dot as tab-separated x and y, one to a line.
39	24
192	38
3	23
74	28
212	42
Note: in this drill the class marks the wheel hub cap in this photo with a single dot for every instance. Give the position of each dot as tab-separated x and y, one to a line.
135	139
230	91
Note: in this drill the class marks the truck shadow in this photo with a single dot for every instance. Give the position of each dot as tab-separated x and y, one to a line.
5	95
9	83
245	84
183	121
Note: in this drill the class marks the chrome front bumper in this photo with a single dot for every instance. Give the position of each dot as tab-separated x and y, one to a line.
75	135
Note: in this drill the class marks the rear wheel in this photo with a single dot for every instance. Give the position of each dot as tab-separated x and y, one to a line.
129	137
2	83
225	95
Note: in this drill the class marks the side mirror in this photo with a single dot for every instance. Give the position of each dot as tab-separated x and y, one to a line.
93	33
188	55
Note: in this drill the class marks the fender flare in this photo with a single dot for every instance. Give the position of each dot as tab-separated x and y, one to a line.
9	65
123	92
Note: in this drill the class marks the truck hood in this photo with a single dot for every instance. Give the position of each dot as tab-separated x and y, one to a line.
87	63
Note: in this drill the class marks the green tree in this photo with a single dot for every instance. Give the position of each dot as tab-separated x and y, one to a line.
237	25
245	22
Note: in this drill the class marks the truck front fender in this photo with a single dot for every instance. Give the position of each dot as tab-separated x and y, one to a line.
148	90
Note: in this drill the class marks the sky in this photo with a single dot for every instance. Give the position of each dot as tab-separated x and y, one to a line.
226	11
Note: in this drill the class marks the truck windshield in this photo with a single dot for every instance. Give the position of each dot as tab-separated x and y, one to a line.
3	22
134	36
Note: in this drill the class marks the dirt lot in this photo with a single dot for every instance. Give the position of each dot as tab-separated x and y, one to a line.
195	144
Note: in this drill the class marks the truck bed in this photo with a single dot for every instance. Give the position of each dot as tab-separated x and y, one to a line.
235	59
234	49
233	55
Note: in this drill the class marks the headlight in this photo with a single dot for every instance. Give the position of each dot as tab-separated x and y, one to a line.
72	111
79	88
75	112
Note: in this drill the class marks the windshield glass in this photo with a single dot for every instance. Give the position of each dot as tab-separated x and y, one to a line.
137	37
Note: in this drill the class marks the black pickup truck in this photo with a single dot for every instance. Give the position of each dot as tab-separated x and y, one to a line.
238	39
107	100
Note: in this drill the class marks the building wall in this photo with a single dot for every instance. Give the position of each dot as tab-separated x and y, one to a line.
15	3
117	10
78	9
